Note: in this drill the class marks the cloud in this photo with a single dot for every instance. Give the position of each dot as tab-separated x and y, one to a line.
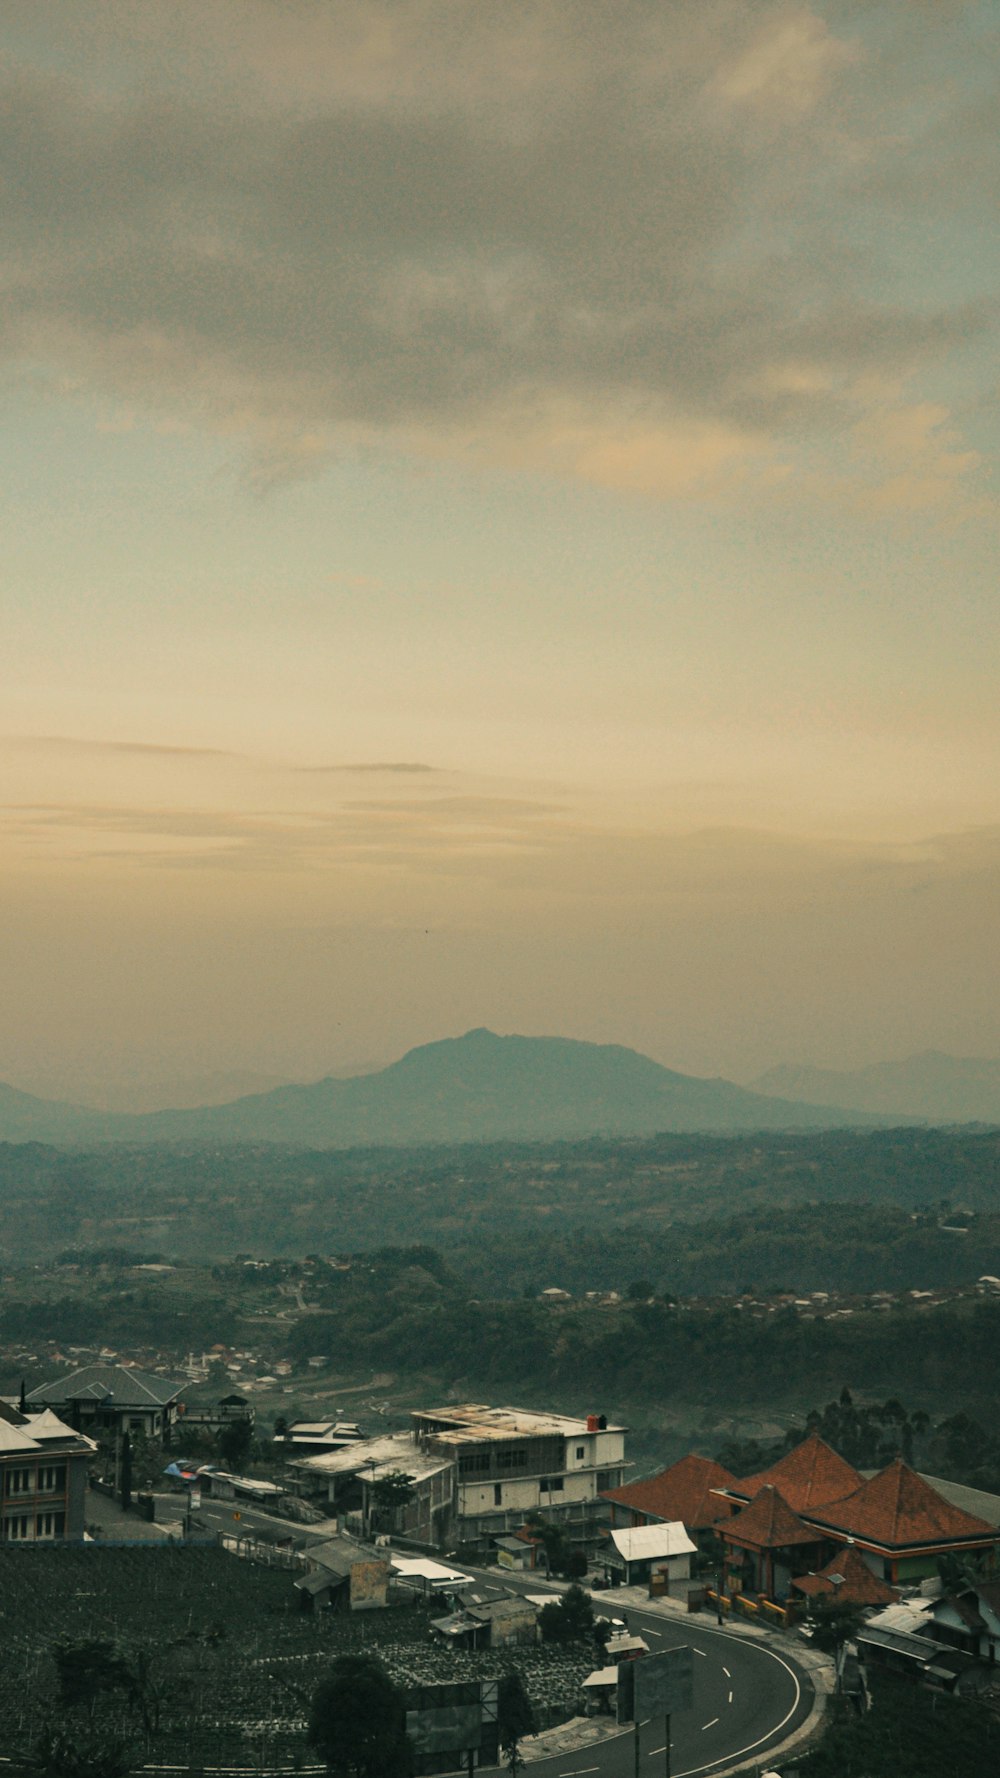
75	744
473	234
402	767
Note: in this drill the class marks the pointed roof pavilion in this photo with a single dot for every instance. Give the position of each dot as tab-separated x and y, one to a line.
897	1510
808	1476
768	1523
689	1490
847	1577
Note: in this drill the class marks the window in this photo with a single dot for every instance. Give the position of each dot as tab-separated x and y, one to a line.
515	1458
18	1481
551	1484
580	1453
52	1478
17	1528
497	1494
474	1463
606	1478
50	1524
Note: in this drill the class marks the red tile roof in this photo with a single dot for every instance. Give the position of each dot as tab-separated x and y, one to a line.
897	1509
808	1476
857	1584
768	1523
683	1491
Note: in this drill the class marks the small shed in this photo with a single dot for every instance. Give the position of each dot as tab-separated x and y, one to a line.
637	1553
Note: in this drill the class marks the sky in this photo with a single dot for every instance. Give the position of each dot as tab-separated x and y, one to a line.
500	528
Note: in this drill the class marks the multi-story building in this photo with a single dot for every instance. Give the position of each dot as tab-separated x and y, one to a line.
479	1472
511	1463
43	1478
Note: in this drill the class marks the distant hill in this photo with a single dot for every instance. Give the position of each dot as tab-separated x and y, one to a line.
479	1087
932	1086
23	1118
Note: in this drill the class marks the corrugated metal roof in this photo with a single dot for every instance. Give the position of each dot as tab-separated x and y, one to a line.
645	1543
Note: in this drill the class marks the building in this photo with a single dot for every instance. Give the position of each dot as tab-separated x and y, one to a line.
688	1491
807	1507
479	1472
303	1437
637	1554
349	1476
848	1579
43	1478
111	1398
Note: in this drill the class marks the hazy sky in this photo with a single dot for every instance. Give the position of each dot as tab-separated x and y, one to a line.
500	518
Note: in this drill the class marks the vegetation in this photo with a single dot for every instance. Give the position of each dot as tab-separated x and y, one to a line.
908	1730
356	1721
570	1618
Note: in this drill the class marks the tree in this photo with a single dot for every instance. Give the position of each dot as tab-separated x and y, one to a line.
834	1622
387	1496
515	1718
87	1668
569	1618
235	1440
356	1722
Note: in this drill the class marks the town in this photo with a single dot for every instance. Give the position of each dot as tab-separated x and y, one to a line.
507	1538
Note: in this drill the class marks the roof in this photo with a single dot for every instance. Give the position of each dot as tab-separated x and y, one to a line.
130	1388
378	1457
683	1491
422	1568
14	1438
807	1477
472	1421
848	1577
645	1543
972	1500
768	1523
320	1580
897	1509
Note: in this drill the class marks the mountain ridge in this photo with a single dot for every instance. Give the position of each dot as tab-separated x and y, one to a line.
478	1087
930	1085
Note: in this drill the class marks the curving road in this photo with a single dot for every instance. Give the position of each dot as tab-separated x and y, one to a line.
748	1697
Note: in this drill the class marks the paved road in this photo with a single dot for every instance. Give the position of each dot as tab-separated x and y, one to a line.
748	1697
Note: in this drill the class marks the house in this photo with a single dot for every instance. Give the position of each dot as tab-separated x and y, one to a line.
43	1478
687	1491
635	1554
969	1619
111	1397
497	1623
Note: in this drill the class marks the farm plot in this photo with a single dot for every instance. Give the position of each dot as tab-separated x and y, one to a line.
224	1663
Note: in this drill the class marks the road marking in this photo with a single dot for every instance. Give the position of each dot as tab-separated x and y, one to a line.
741	1752
578	1771
701	1652
649	1631
709	1725
657	1750
727	1672
730	1697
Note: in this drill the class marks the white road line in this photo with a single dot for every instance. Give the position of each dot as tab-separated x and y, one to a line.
657	1750
578	1771
701	1652
649	1631
727	1672
709	1725
730	1697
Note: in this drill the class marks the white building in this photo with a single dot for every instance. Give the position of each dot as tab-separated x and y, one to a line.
480	1472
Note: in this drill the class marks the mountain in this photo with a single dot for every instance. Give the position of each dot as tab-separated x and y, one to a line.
23	1118
479	1087
931	1087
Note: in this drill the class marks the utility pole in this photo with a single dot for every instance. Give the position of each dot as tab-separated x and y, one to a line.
636	1747
666	1749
